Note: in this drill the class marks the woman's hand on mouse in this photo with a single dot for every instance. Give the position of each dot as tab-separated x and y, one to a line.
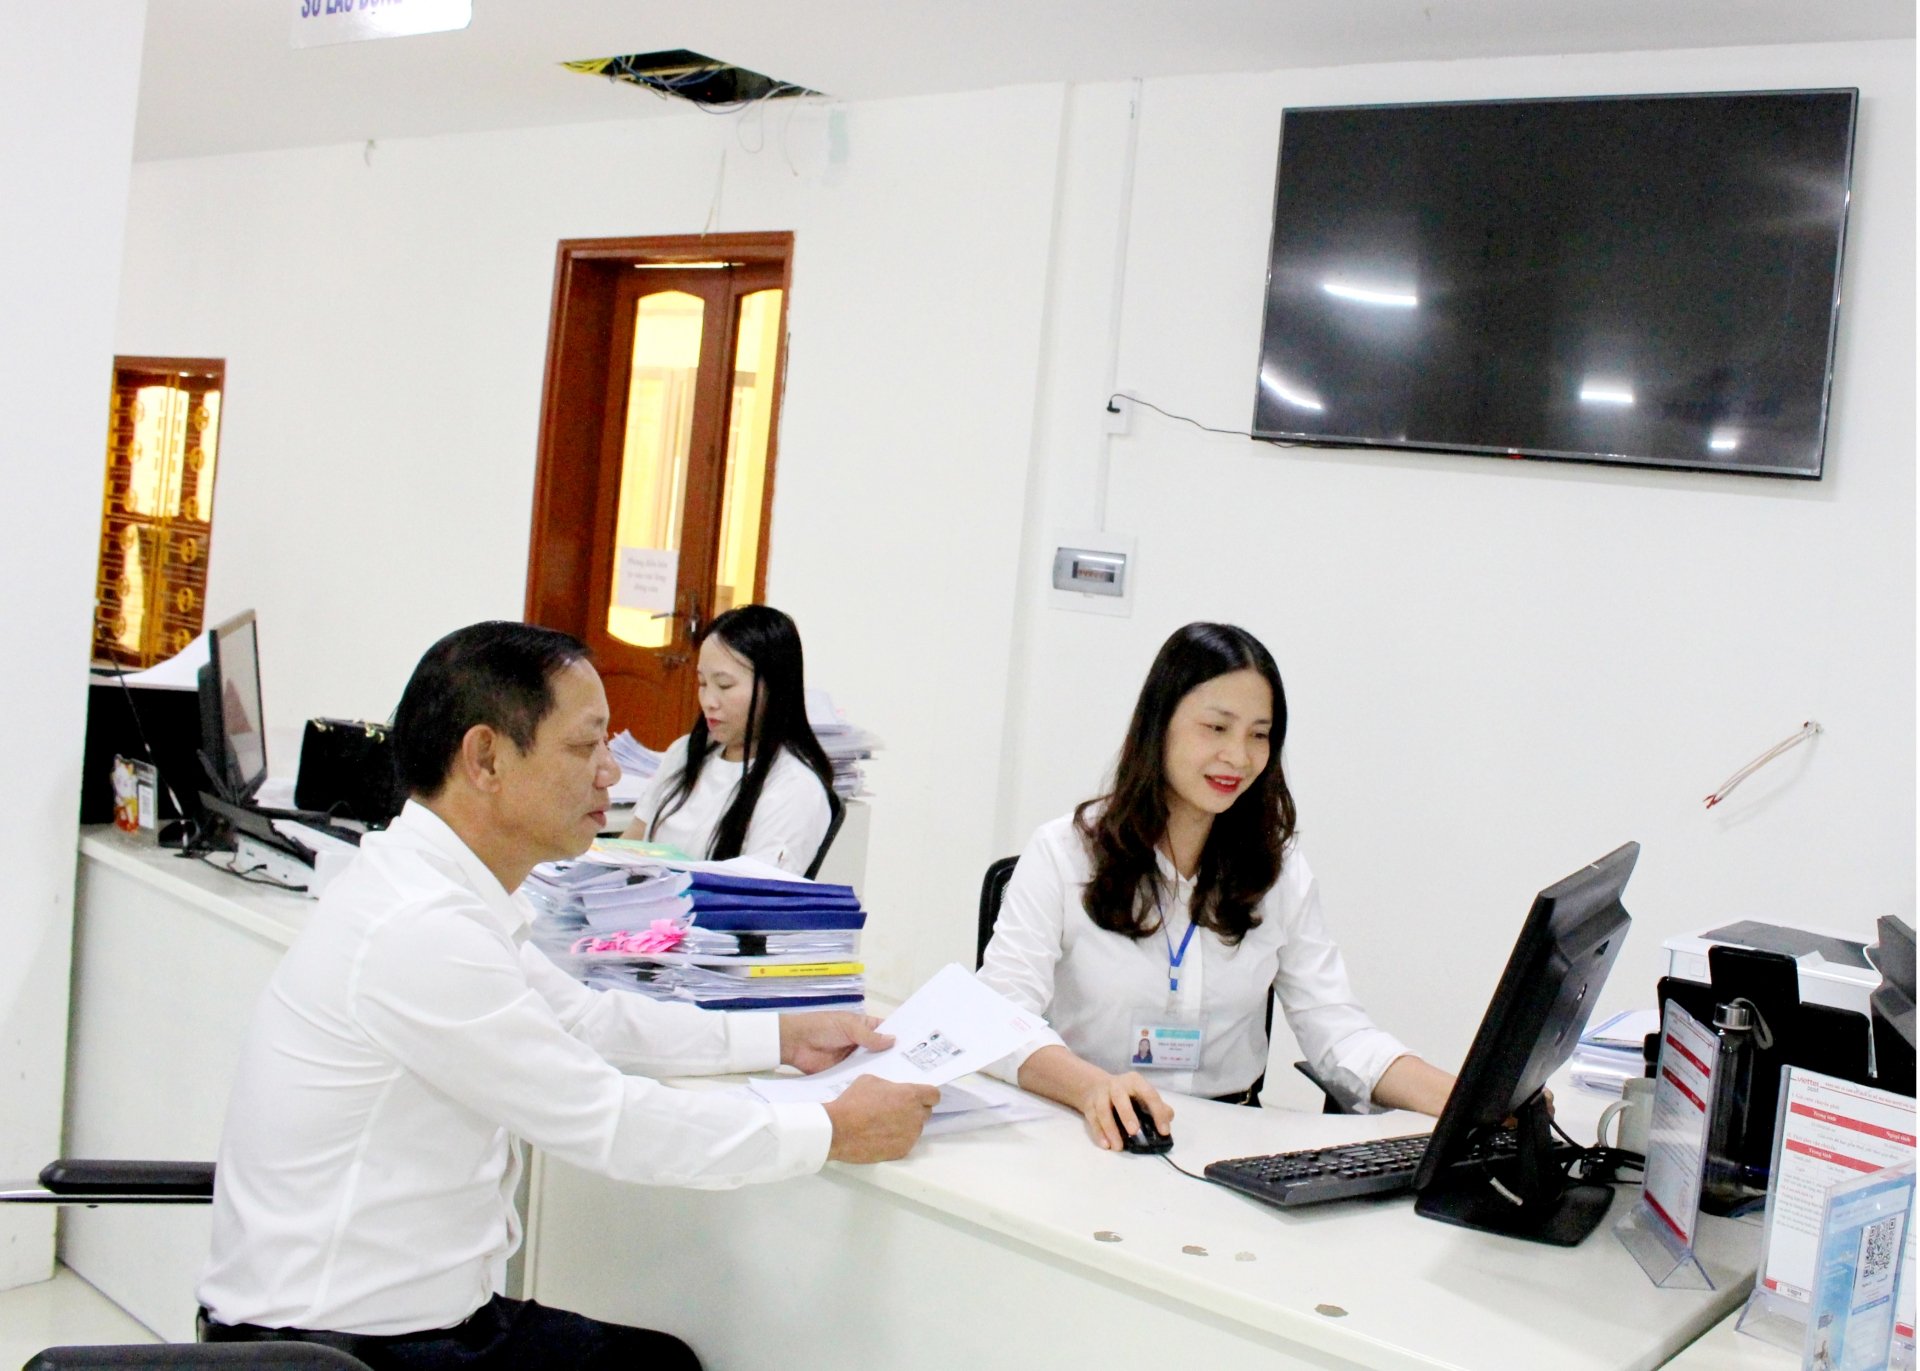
1057	1074
1112	1107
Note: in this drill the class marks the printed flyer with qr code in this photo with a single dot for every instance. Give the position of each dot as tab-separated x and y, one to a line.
1850	1322
1831	1131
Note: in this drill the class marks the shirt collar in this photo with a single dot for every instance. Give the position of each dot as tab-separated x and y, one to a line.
420	827
1168	871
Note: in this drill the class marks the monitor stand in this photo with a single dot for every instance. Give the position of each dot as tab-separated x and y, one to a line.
1546	1207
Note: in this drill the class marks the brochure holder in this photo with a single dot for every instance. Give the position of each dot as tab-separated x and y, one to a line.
1827	1131
1850	1324
1658	1231
1900	1352
1667	1259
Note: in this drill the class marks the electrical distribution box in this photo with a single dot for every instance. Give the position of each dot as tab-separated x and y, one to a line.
1090	572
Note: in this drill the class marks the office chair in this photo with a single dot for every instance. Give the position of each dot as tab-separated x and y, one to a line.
993	889
837	808
87	1182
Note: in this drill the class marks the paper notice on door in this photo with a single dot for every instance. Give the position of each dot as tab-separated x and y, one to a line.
648	578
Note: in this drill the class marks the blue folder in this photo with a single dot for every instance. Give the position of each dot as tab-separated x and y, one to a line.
781	920
703	900
720	881
786	1002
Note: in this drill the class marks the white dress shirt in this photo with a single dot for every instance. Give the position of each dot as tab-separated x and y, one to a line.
406	1040
789	819
1095	987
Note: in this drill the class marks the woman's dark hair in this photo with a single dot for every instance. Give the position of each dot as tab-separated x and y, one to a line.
496	673
766	640
1245	846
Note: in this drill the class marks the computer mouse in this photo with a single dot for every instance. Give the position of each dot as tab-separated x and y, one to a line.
1149	1139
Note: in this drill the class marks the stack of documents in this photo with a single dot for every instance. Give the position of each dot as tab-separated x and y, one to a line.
846	745
638	764
951	1026
1609	1053
738	934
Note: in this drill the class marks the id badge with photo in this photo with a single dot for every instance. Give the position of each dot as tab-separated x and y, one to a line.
1160	1043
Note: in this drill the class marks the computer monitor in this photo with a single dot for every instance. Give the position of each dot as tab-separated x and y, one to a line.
233	738
1538	1012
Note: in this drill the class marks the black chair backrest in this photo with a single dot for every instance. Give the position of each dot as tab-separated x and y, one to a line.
838	810
191	1356
1330	1103
992	887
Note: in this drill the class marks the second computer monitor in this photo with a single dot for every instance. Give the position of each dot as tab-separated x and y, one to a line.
1535	1019
232	721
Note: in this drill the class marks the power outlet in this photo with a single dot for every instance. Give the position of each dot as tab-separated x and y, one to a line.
1119	414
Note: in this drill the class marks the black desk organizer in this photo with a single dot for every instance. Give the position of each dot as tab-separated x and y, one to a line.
1835	1042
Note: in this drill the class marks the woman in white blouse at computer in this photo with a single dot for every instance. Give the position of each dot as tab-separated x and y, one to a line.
1167	911
751	778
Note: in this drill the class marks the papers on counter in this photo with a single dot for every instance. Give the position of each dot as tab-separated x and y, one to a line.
178	672
638	765
846	744
950	1027
1609	1054
981	1103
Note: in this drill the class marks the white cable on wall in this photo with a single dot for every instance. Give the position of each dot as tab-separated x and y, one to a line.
1807	730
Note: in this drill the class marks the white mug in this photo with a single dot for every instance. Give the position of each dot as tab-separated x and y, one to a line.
1634	1109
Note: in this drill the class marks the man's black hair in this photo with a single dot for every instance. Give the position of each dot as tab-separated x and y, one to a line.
495	673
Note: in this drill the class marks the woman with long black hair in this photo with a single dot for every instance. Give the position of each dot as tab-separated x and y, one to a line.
1168	910
750	779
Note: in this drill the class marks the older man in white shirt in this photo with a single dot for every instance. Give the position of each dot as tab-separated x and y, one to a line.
412	1036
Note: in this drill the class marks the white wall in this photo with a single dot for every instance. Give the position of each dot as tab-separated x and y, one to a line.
1497	671
384	317
67	79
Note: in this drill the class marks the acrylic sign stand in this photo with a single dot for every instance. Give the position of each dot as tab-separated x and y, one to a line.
1828	1132
1850	1322
1659	1229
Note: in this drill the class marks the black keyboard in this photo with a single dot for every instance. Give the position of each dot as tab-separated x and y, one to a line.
1349	1171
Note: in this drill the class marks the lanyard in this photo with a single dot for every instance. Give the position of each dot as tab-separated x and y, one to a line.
1174	959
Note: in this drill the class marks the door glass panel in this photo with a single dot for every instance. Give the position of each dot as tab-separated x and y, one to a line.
157	509
653	467
749	431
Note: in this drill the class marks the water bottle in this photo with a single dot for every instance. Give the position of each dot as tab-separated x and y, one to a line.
1736	1025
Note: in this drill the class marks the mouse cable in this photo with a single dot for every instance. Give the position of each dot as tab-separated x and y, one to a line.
1167	1157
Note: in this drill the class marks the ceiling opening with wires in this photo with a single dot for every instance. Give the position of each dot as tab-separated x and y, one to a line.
690	76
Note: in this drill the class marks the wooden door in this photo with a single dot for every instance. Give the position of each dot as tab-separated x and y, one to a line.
676	514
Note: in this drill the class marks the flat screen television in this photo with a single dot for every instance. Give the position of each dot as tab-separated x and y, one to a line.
1648	280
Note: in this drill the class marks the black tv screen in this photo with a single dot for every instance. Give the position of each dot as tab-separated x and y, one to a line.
1650	280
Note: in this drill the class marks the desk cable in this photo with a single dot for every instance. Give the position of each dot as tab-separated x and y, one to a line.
1597	1165
250	874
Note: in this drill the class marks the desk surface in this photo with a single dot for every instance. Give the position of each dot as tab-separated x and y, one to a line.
1359	1284
276	915
1367	1280
1725	1348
